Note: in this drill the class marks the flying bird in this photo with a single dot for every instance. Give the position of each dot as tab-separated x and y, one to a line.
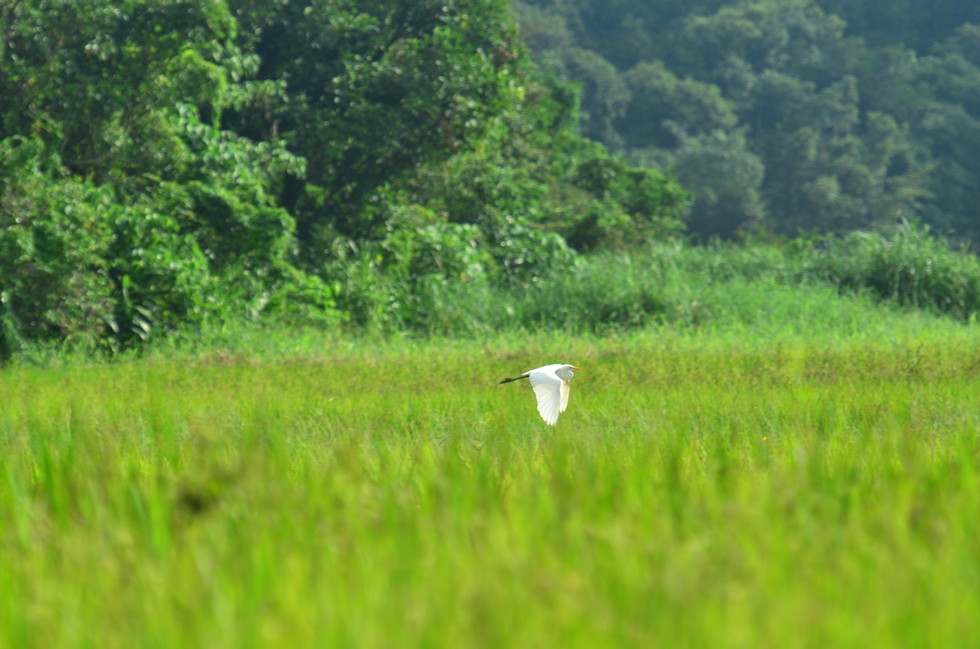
551	386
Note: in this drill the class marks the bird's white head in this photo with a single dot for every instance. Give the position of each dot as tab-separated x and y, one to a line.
565	372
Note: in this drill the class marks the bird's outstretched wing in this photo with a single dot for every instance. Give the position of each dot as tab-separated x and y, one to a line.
552	395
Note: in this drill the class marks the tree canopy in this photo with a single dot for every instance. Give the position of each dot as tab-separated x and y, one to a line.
165	163
832	115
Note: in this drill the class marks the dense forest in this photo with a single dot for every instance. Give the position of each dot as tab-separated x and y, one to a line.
170	164
165	163
791	115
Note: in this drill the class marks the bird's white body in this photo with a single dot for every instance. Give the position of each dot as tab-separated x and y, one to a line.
551	387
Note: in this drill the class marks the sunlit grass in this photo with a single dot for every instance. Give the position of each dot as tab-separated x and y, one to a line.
701	490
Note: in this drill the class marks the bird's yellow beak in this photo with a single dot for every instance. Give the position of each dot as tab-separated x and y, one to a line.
576	368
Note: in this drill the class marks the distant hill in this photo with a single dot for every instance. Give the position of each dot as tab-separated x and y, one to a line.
791	115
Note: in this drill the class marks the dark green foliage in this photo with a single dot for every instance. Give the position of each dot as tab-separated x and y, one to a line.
603	91
512	208
131	210
661	102
725	177
171	164
912	23
55	236
637	205
372	89
850	128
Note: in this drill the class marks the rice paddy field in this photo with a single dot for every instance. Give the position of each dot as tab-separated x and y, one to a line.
704	489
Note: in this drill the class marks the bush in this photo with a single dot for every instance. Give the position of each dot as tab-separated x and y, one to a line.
603	293
904	263
629	206
99	266
54	238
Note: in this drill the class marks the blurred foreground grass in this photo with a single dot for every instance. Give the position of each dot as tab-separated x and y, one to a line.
700	491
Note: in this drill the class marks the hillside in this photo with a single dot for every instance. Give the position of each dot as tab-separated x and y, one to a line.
793	115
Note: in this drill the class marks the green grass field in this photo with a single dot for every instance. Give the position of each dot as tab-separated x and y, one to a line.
703	490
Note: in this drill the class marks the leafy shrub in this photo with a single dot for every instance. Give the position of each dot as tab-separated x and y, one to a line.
607	292
630	206
501	203
904	263
96	265
162	276
55	235
380	282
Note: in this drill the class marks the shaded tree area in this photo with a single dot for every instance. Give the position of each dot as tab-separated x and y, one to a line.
918	24
166	163
793	115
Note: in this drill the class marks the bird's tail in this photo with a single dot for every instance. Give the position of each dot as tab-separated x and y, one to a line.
516	378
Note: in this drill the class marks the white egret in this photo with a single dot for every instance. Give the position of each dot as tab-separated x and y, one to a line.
551	387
